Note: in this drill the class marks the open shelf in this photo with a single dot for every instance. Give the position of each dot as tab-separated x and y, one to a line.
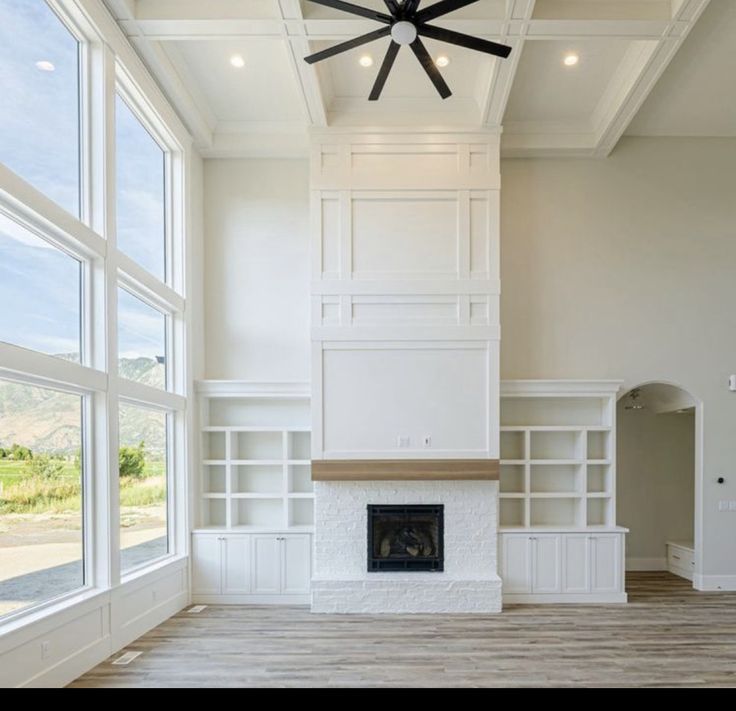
300	479
257	445
513	446
214	445
256	457
258	479
214	512
511	512
557	449
214	479
555	478
512	478
258	512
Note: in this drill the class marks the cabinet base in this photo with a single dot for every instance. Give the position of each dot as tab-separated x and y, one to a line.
556	599
250	599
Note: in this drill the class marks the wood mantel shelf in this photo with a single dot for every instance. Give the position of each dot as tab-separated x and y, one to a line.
405	470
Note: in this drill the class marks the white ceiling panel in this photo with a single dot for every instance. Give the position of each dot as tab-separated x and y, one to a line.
545	90
265	89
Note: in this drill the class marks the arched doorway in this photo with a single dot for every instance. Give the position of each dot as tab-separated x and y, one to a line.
658	474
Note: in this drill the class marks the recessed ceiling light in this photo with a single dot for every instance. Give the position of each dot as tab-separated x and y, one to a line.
45	66
237	61
366	61
571	59
442	61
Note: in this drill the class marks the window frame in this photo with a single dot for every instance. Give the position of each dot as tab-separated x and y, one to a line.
108	65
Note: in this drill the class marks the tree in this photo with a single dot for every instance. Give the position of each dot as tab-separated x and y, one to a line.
46	467
132	461
3	453
20	453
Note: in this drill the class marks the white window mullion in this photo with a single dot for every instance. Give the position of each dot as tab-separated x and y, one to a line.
108	438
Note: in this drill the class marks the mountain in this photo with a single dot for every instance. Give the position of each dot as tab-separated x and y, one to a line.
49	421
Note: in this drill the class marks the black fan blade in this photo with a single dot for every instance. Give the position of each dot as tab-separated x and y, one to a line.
393	6
354	9
383	72
345	46
476	43
441	8
429	66
410	6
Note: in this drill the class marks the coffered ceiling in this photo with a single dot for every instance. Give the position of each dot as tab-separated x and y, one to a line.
267	106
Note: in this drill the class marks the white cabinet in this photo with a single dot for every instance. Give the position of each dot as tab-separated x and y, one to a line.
267	568
236	565
681	558
545	564
267	564
296	565
562	567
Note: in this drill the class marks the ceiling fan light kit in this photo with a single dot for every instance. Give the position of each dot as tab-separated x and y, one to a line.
406	24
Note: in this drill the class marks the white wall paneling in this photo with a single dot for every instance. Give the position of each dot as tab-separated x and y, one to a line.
405	294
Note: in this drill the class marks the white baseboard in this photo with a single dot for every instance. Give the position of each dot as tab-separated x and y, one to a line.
251	599
556	599
724	583
646	563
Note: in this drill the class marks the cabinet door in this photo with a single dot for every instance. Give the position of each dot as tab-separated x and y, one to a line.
296	572
236	565
266	565
206	564
575	564
516	563
546	564
605	563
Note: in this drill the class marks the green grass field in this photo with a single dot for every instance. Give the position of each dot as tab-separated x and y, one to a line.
21	492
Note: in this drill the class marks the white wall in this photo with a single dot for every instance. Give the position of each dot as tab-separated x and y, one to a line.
624	268
257	269
655	481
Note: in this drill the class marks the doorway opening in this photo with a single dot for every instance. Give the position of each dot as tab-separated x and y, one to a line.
658	451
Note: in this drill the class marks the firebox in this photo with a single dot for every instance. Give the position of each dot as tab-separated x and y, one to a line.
405	538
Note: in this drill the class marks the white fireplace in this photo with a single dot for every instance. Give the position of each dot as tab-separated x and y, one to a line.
405	376
468	583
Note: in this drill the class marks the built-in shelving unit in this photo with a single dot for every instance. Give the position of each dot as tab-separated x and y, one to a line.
256	457
557	455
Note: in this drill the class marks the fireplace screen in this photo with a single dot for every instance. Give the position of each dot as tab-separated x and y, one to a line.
405	538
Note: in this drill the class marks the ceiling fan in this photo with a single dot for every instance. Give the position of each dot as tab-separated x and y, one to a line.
406	24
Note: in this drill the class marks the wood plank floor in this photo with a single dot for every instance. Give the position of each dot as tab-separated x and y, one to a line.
668	635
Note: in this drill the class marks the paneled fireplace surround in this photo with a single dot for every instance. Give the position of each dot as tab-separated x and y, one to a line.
405	363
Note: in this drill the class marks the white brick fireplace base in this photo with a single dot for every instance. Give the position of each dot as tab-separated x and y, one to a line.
469	582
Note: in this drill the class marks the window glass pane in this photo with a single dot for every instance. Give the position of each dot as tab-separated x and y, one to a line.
140	193
41	537
141	341
143	486
40	293
39	109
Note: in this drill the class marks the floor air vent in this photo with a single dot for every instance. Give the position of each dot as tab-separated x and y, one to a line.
126	658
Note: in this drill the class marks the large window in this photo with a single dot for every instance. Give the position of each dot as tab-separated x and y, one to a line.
63	401
143	486
39	100
141	193
41	287
41	502
141	341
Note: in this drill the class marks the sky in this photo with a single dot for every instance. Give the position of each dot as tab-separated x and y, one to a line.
39	119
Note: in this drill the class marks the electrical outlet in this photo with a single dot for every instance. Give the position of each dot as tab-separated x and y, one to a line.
723	505
404	441
427	440
732	505
45	649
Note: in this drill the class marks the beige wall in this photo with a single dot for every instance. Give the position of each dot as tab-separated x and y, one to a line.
257	269
655	481
625	268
